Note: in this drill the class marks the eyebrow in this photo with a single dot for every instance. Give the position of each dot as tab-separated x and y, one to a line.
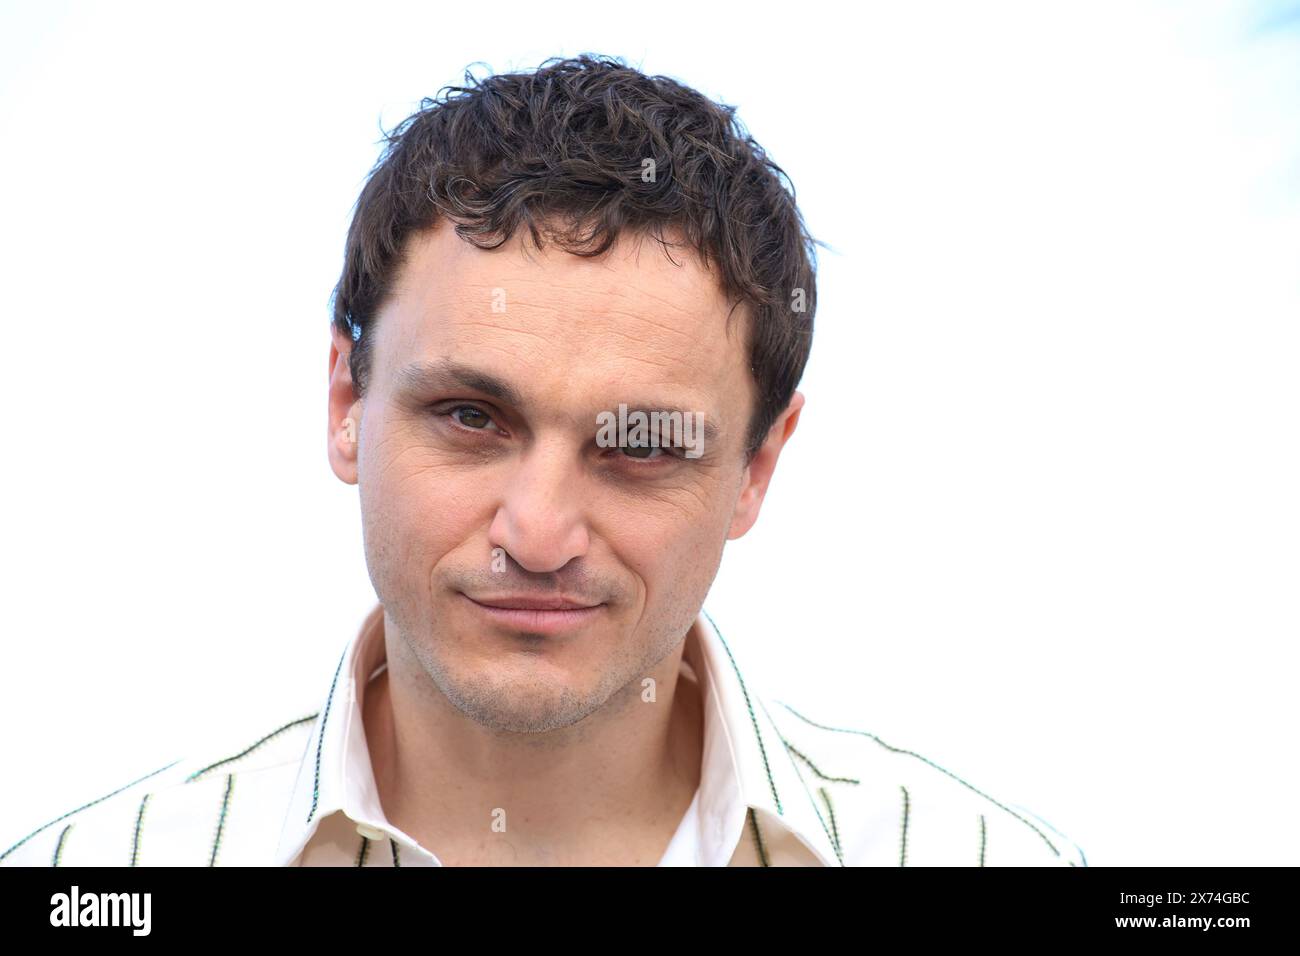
448	373
425	376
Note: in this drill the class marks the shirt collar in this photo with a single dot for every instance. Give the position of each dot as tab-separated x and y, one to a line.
760	774
745	764
336	773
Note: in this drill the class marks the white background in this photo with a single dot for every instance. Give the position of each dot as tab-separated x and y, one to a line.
1039	520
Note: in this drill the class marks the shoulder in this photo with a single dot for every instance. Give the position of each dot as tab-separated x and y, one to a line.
893	806
226	800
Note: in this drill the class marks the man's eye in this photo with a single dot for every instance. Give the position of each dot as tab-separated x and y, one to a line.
646	452
471	417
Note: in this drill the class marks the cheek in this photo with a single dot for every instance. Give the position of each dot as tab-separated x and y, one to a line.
677	563
414	510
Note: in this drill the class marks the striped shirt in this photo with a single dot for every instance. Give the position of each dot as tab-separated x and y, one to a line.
777	788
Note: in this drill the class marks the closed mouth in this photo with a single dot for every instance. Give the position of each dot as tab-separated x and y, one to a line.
533	603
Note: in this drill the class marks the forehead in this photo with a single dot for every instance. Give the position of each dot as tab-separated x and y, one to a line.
551	321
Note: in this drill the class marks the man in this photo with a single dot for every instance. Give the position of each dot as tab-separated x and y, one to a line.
536	257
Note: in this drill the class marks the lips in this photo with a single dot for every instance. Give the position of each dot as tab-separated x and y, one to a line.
533	603
535	615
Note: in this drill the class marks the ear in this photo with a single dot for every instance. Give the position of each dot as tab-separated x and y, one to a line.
759	473
344	410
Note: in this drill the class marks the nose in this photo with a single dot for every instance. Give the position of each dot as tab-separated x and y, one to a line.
540	520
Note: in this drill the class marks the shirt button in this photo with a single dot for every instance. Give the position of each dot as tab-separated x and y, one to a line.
369	832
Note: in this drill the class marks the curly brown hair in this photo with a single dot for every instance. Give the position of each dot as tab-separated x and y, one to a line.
563	149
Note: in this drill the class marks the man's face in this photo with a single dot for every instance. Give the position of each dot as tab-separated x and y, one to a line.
481	477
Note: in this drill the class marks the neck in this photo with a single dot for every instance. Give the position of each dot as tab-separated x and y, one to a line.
609	790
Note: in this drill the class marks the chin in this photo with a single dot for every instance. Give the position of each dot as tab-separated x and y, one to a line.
520	705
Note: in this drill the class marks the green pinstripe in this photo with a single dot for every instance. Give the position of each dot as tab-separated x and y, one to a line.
248	750
907	806
899	750
139	822
64	816
758	837
752	719
798	753
798	773
58	849
197	775
320	738
221	820
835	832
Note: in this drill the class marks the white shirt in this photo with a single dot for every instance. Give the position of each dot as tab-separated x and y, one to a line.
777	788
